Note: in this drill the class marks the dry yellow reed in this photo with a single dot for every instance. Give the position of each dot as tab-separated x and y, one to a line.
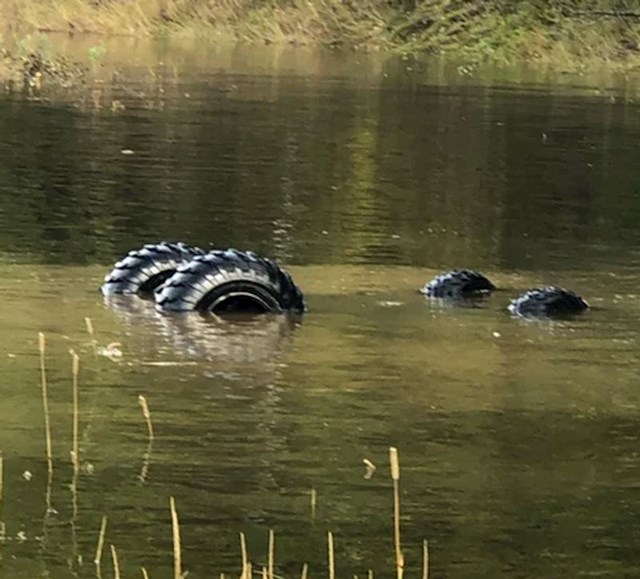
371	468
116	565
249	570
89	324
145	575
101	538
370	574
147	455
45	405
265	573
75	370
332	560
245	558
314	502
395	475
305	571
272	548
147	415
177	553
425	559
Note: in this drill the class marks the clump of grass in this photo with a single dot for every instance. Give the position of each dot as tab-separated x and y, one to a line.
32	65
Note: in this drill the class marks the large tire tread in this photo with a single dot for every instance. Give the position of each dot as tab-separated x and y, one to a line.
143	270
187	289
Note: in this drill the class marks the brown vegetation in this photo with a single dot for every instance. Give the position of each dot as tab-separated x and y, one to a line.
569	30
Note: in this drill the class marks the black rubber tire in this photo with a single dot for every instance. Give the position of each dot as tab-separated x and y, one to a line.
548	302
230	281
143	270
458	284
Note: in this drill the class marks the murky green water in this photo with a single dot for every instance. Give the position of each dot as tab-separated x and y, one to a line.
518	441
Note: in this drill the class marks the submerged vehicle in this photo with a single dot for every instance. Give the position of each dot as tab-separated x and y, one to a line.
458	284
550	301
182	278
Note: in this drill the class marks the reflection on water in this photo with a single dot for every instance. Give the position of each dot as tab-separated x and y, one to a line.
518	440
248	342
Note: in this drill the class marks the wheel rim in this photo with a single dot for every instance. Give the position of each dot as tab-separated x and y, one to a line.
240	302
239	297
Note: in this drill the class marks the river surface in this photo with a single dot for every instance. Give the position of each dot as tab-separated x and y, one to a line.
518	441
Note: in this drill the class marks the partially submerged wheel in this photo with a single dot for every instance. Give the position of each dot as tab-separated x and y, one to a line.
230	281
458	284
143	270
547	302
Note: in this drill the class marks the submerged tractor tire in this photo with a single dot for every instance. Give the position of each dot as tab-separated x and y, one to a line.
458	284
230	281
143	270
548	302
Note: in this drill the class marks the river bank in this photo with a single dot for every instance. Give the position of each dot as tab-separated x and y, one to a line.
476	30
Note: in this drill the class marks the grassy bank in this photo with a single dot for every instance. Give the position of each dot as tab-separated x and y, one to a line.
572	32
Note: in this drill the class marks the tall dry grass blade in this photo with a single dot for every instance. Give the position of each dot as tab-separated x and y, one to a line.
370	574
245	558
425	559
147	415
2	527
395	475
75	454
116	564
145	575
101	538
45	406
249	570
314	503
265	572
1	481
331	554
89	324
305	571
177	553
272	548
147	455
